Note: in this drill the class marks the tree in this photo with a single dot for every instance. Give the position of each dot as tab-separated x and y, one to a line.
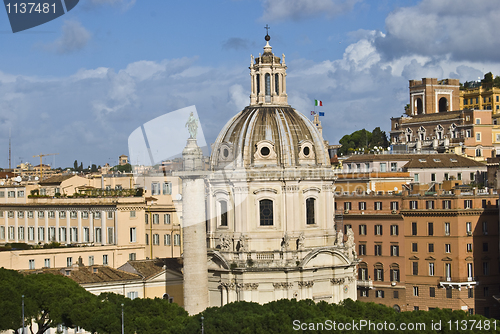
11	292
75	165
363	141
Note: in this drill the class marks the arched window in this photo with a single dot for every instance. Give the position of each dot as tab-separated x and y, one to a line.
277	83
266	212
258	83
223	213
268	85
310	210
443	104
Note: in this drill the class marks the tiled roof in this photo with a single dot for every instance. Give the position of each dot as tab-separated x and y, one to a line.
420	160
149	268
56	179
89	274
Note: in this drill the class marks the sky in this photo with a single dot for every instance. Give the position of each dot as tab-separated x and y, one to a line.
82	83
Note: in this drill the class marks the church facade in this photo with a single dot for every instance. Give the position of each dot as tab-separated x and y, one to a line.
270	204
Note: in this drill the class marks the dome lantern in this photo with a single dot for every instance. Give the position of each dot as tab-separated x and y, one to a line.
268	78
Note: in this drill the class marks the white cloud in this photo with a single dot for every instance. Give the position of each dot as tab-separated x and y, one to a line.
74	38
461	28
276	10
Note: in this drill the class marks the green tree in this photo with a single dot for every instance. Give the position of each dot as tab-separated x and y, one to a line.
11	291
363	140
75	165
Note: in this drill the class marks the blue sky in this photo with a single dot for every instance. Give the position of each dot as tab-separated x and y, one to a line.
79	85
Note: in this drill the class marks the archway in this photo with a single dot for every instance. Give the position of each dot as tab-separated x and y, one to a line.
419	106
443	104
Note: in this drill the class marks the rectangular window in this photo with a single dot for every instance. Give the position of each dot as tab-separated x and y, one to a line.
413	228
73	234
98	235
2	194
447	248
486	268
69	261
97	215
449	293
363	293
394	230
469	248
363	274
132	214
91	260
414	205
446	228
431	269
362	205
111	236
478	136
394	275
362	249
485	228
469	271
11	194
468	204
446	176
2	232
414	247
73	215
470	292
432	292
31	233
167	188
166	239
12	233
362	229
52	214
52	234
459	176
446	204
155	188
347	205
132	256
383	167
485	246
416	177
166	218
30	214
133	237
378	250
468	133
20	214
472	176
378	206
32	264
378	229
105	260
146	218
379	274
415	292
433	177
430	228
156	239
177	239
414	268
20	233
394	206
468	228
156	218
429	205
62	214
394	250
110	214
62	234
46	263
86	234
431	248
394	166
379	294
132	294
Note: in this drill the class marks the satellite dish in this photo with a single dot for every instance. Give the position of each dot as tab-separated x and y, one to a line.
18	179
2	183
36	178
178	197
395	188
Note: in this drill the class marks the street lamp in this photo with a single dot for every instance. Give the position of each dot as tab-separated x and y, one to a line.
123	322
22	306
202	326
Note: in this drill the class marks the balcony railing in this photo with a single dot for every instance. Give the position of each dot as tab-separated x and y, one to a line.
457	282
365	284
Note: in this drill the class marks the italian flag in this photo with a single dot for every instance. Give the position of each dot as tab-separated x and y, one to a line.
318	103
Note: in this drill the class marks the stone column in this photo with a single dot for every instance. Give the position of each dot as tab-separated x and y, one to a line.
193	230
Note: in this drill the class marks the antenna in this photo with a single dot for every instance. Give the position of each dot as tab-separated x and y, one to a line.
10	151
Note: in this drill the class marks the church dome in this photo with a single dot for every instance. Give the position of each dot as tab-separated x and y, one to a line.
267	136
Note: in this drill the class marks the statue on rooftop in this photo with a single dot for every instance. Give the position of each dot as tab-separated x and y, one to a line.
192	125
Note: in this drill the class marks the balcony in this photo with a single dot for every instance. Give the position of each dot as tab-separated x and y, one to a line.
457	282
367	284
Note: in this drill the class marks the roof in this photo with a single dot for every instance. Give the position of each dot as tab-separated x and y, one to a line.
10	175
149	268
420	160
58	179
89	274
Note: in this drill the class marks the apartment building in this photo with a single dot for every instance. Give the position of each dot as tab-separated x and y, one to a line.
424	249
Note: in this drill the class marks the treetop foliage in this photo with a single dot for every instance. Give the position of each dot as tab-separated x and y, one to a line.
364	141
51	300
